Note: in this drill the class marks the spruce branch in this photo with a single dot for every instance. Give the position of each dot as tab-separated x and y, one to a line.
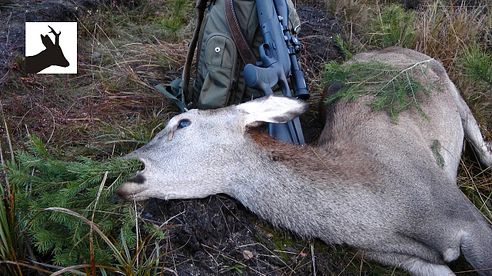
394	90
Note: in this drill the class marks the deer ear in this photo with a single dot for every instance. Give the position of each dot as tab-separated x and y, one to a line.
271	109
47	41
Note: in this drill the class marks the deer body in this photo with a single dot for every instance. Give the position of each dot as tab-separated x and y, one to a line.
369	183
52	55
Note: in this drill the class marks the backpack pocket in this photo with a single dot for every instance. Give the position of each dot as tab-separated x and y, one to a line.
220	62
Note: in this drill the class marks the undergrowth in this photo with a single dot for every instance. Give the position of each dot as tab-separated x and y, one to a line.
65	207
477	65
177	16
344	47
41	181
394	26
67	210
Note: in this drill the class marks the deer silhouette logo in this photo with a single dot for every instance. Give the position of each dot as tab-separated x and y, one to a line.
52	55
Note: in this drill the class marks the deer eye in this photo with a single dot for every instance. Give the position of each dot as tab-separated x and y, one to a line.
183	123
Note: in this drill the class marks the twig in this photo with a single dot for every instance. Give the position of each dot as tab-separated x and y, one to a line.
313	258
137	232
232	259
73	270
273	255
405	70
91	237
54	125
351	260
171	218
25	265
7	133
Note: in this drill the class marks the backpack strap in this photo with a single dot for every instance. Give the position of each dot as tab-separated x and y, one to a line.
243	48
200	7
173	93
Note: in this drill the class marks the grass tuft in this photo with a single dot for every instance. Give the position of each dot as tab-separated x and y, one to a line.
343	46
477	65
177	16
445	31
394	27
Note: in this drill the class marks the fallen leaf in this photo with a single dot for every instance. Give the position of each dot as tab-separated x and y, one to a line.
247	254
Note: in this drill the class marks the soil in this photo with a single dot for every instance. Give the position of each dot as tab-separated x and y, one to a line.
317	34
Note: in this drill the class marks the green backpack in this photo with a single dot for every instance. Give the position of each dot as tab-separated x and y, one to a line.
219	60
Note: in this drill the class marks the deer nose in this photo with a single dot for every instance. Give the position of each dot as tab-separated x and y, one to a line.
121	193
129	189
138	179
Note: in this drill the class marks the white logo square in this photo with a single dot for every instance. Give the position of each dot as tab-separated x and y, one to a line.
51	47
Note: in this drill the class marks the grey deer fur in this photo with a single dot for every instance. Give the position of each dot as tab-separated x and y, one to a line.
368	183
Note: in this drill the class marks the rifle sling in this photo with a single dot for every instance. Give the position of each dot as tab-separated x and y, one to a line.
200	8
243	48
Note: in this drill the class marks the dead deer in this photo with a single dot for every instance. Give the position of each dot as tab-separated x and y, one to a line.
369	183
52	55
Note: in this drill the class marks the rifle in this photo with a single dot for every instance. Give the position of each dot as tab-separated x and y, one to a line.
278	61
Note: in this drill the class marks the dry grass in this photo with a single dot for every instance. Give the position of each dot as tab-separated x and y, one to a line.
112	92
444	32
447	32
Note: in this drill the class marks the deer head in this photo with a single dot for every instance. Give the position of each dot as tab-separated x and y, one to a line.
207	142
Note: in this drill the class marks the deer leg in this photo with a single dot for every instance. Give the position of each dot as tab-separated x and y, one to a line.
414	265
472	132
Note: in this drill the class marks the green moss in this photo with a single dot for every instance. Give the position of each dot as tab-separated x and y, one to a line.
394	90
436	150
278	240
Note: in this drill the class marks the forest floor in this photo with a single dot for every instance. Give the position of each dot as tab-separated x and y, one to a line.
110	108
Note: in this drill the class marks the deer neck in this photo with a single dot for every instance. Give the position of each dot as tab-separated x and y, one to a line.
289	185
